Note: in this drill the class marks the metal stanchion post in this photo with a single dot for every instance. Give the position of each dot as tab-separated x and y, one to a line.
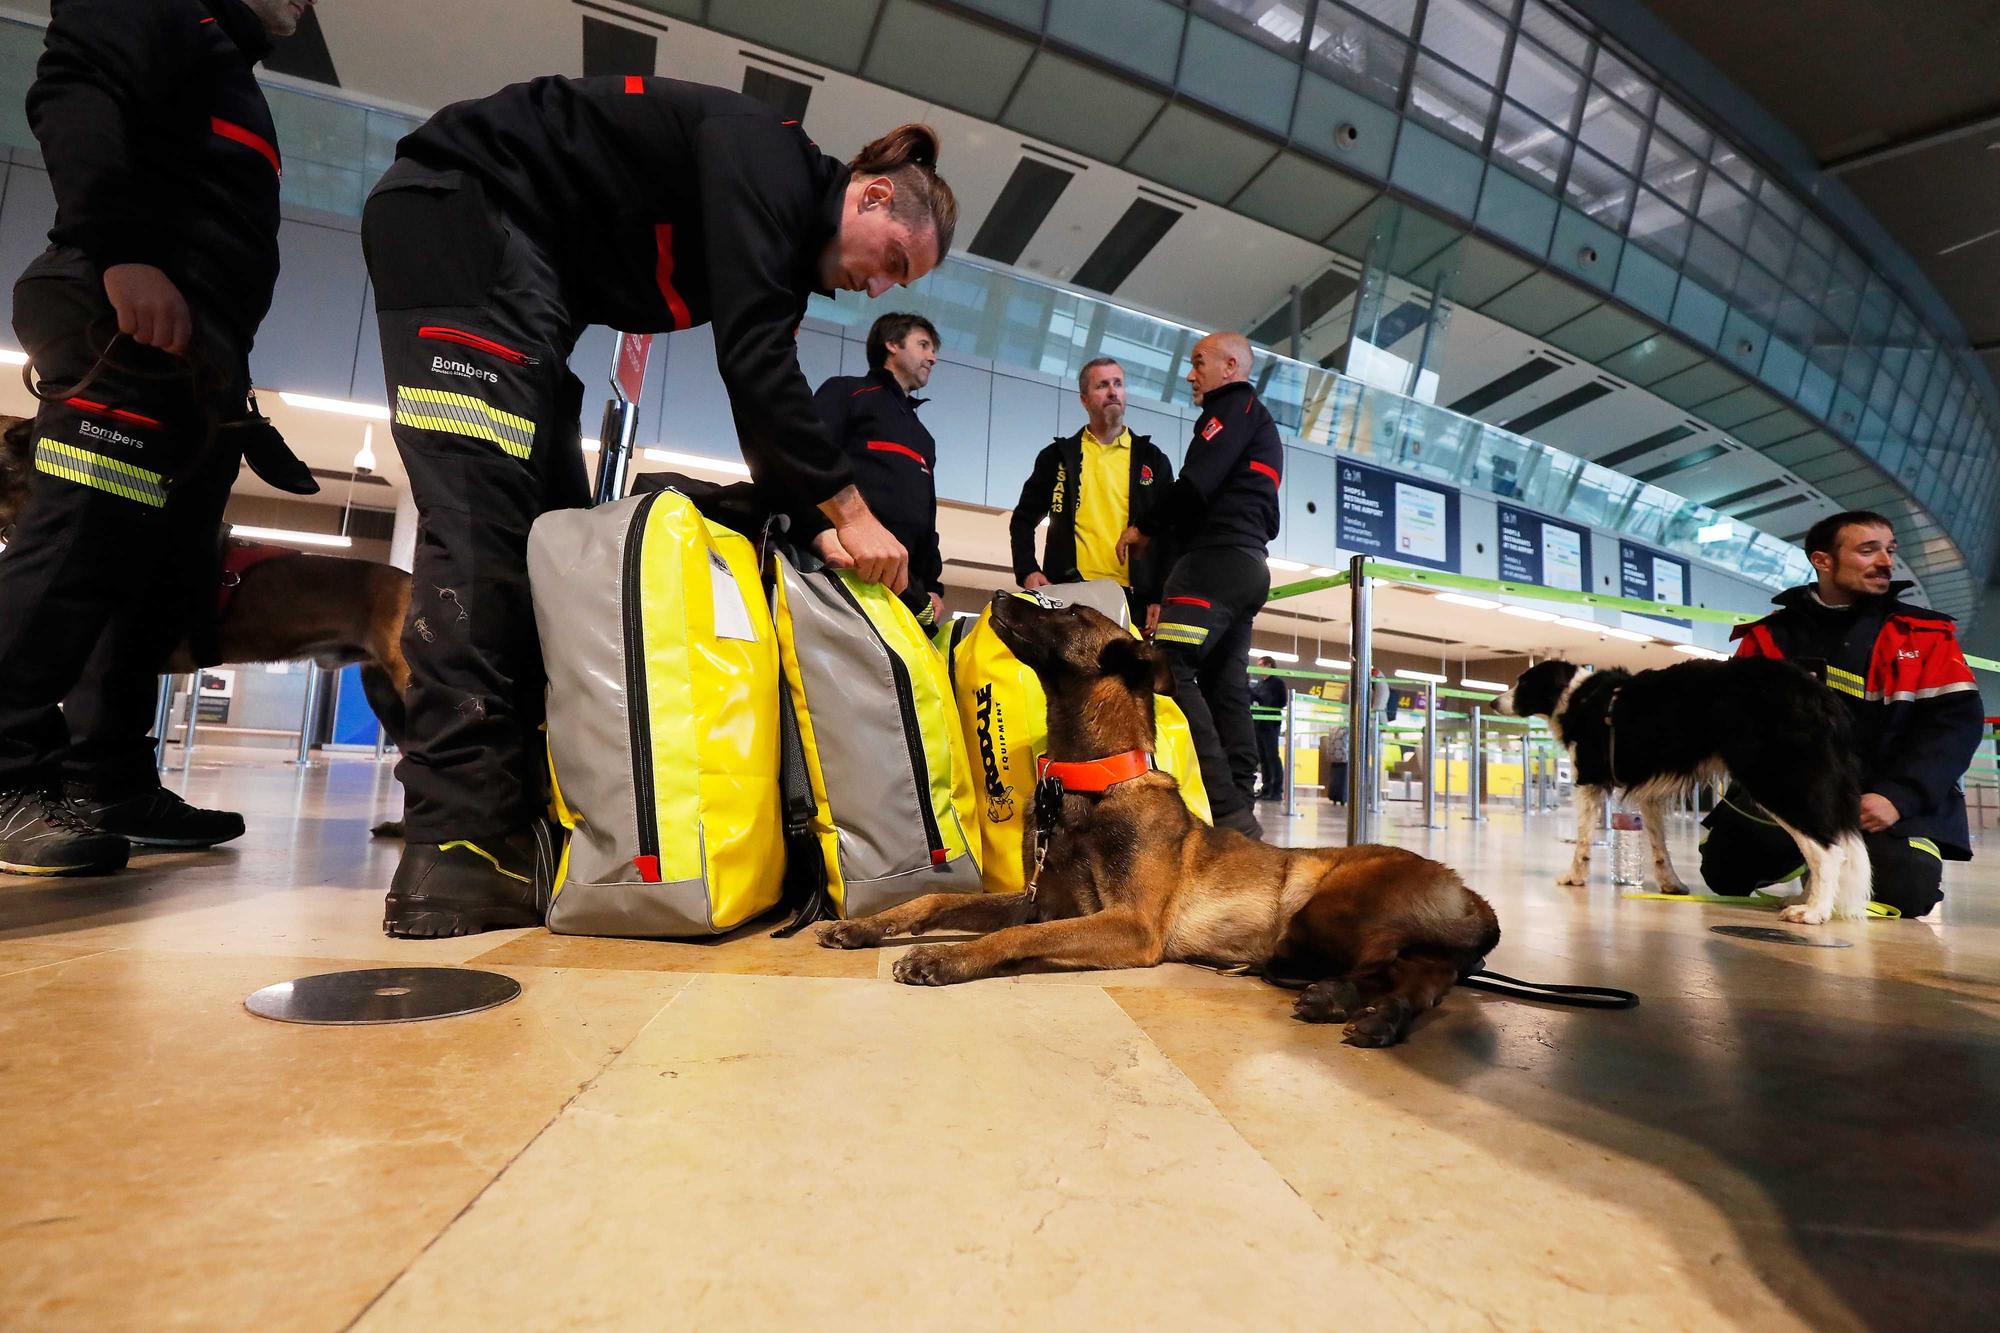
187	731
309	718
614	450
1430	755
1475	789
163	722
1360	827
1525	808
1291	752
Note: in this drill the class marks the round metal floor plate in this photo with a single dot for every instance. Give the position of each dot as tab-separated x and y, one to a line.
1772	935
383	995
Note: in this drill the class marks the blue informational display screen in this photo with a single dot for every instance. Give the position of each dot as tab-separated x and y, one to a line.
1654	576
1397	518
1535	548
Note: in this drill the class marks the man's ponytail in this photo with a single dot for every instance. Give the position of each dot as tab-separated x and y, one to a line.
908	156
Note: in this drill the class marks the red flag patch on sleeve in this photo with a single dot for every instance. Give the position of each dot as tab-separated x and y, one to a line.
1212	429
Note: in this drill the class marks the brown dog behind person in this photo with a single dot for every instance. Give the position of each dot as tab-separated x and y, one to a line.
1130	878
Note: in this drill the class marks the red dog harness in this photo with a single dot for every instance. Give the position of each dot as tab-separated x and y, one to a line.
238	559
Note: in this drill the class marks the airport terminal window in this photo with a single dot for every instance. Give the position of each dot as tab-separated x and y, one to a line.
1599	190
1278	24
1450	99
1711	260
1542	83
1612	129
1467	34
1528	145
1660	228
1622	79
1672	169
1725	208
1758	294
1358	54
1770	240
1563	35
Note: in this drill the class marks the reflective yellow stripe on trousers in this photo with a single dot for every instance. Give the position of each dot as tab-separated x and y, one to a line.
100	473
462	414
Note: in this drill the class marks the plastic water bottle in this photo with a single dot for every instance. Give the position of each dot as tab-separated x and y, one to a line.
1629	851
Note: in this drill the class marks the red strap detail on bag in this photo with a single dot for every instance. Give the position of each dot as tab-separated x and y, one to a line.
891	447
663	274
1202	602
1093	775
939	856
249	139
1268	471
634	84
648	868
115	413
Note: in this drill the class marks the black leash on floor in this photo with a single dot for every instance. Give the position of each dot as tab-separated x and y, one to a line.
1495	983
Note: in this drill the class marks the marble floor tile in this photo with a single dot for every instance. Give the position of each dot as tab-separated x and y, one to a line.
173	1160
789	1153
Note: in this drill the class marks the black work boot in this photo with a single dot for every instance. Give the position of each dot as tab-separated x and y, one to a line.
466	886
152	817
41	835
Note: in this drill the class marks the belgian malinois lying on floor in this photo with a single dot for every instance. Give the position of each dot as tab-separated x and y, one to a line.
1129	878
288	607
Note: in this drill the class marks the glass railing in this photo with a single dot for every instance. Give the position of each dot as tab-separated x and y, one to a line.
336	148
1019	321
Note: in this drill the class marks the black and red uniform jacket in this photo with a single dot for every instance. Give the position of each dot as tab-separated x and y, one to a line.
895	464
663	205
1915	708
1227	493
160	147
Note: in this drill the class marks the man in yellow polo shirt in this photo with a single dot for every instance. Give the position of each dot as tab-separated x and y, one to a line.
1091	486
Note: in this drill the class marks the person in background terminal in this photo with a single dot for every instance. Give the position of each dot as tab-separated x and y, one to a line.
1091	486
1270	692
138	318
508	224
874	418
1917	719
1219	518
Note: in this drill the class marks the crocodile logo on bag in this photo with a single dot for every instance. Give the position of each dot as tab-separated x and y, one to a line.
999	796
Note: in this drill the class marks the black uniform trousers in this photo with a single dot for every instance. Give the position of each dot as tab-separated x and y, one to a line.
1740	853
1211	598
119	536
475	340
1270	761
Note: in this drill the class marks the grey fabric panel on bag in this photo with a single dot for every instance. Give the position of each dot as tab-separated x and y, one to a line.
632	910
867	897
575	559
858	730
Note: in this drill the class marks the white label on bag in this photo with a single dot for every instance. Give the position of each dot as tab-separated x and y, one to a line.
732	617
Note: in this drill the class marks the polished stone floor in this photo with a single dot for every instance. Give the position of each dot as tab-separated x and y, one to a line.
756	1133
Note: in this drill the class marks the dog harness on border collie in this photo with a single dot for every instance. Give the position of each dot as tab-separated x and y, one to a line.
1090	777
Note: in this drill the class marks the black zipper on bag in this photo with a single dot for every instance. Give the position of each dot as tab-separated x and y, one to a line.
635	685
906	700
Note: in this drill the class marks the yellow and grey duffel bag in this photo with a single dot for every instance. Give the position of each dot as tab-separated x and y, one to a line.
891	790
663	719
1005	716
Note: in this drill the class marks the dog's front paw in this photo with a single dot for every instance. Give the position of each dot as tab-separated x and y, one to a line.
1672	884
848	935
1380	1024
1329	1001
929	965
1804	914
1574	878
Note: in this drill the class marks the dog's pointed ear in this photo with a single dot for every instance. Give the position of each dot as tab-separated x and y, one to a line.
1138	663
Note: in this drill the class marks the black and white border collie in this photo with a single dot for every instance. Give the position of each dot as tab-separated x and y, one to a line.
1657	734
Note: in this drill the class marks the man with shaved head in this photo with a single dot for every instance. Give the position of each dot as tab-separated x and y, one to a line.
1219	519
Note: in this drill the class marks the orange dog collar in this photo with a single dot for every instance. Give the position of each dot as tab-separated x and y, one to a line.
1095	775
